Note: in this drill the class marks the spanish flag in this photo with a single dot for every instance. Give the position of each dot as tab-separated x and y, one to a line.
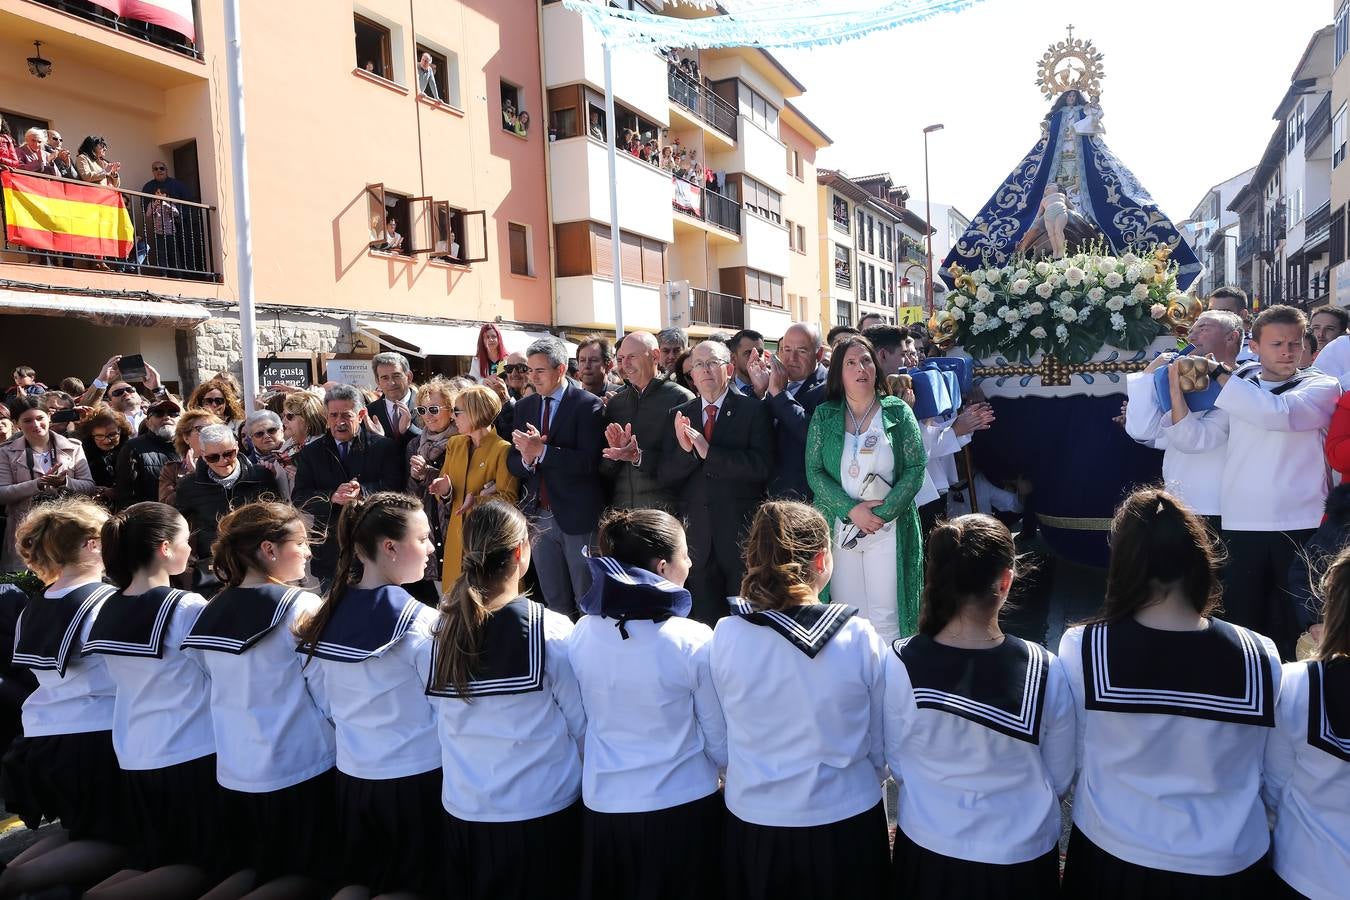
66	216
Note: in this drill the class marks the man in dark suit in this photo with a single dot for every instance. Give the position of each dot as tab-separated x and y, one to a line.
559	433
348	462
718	454
792	382
396	410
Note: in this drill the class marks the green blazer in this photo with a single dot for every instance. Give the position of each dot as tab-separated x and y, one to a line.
824	455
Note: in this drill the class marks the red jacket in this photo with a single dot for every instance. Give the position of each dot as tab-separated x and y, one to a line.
1338	438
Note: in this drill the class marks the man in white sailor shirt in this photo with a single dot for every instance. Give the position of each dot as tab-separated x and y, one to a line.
1234	300
1275	476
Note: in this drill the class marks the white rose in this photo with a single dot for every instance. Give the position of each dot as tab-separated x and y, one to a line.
1055	280
1112	280
1062	264
1157	311
1140	292
1115	304
1066	296
984	294
1068	314
1036	309
980	319
1021	273
958	314
960	300
1132	273
993	275
1020	287
1043	268
1096	294
1129	259
1074	276
1062	333
1011	315
978	276
1118	321
1044	290
1038	333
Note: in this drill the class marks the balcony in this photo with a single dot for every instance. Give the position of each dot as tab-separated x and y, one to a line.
841	222
133	28
705	106
716	310
1319	126
913	254
580	188
843	275
169	238
706	205
1317	227
1248	247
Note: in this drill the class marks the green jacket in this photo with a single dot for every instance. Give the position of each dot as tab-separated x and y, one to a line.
824	454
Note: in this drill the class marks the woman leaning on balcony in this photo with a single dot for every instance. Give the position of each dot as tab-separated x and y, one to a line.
92	165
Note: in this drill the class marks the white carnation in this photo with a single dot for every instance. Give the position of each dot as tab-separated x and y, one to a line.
1043	268
958	314
1016	329
983	293
1038	333
1118	321
1132	273
1112	280
1140	292
1020	287
1096	294
1036	309
1062	333
1115	304
980	319
1129	259
1074	276
1021	273
1044	290
978	276
1068	314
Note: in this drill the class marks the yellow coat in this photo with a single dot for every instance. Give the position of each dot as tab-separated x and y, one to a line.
469	470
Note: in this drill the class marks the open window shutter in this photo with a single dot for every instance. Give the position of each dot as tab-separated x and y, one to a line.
420	225
474	242
375	213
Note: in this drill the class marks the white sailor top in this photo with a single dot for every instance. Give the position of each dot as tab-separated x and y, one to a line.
1172	726
74	694
802	691
655	737
982	744
1308	778
386	725
1194	449
1276	420
163	712
511	749
270	713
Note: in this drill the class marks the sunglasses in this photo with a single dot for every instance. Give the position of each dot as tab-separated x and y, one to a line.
105	437
290	416
428	410
222	456
265	432
158	169
515	367
122	392
197	429
214	401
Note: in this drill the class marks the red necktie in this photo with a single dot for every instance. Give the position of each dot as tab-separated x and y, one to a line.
709	421
543	432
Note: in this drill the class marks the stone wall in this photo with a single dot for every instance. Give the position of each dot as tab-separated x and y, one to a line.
215	345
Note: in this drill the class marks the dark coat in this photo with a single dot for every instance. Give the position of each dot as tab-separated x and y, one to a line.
203	501
380	411
138	466
571	466
102	465
374	461
650	412
791	417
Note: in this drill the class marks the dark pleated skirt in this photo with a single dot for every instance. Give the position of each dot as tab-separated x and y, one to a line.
176	812
848	858
71	777
666	854
292	831
392	832
1090	873
921	874
538	859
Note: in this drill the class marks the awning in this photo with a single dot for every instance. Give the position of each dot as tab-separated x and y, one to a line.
105	311
429	339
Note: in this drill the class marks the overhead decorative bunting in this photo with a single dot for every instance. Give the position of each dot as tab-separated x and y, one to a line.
761	23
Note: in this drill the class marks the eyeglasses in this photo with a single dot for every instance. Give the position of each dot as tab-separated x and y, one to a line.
158	169
265	432
122	392
290	415
429	410
214	401
105	437
707	365
222	456
515	367
457	412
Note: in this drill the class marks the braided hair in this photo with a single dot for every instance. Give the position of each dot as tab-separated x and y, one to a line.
493	533
966	558
781	549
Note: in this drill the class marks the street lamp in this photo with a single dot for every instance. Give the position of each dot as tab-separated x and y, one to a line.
928	217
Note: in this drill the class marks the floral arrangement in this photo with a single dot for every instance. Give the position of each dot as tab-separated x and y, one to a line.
1067	308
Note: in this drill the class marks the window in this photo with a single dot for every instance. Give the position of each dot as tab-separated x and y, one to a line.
1296	207
1342	31
390	220
762	200
840	214
515	118
801	238
871	228
843	313
1294	125
457	236
843	266
1337	237
583	248
794	164
890	245
374	47
443	81
761	287
518	237
758	110
792	235
872	283
1338	136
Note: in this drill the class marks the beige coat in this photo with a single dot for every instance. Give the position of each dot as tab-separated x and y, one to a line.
18	486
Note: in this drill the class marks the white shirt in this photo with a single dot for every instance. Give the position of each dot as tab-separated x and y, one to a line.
1170	792
270	711
655	737
967	790
1334	360
1308	787
804	735
1264	427
82	700
1194	449
385	722
512	757
163	712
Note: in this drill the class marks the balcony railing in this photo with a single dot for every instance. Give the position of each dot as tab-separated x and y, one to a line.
1248	247
843	275
173	239
716	310
134	28
701	203
1317	227
841	223
914	254
1319	125
702	102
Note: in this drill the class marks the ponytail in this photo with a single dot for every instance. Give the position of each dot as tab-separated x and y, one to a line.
132	537
966	558
364	522
639	537
780	552
493	532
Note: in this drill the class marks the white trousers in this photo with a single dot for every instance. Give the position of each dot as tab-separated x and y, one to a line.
866	577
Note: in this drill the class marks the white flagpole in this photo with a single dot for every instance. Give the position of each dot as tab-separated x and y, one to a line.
615	245
243	225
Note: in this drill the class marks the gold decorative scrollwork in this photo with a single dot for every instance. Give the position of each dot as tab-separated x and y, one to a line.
1072	64
1054	373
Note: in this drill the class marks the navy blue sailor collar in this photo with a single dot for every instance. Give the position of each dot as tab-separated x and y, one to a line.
238	618
365	624
134	624
629	593
808	628
49	628
510	655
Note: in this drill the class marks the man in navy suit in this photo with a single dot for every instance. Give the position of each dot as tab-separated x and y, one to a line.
559	433
718	453
792	383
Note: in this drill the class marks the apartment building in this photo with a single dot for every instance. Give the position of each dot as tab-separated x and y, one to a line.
1339	109
388	209
803	140
1214	234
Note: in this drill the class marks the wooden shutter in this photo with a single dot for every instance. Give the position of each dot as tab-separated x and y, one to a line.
375	213
630	246
519	247
574	251
653	262
600	251
474	240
